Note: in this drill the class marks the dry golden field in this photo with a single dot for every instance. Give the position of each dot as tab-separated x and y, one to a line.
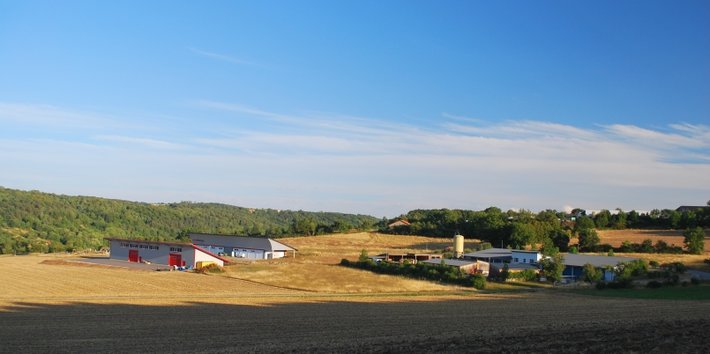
315	269
672	237
51	304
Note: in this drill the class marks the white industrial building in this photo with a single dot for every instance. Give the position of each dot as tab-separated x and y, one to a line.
242	246
176	254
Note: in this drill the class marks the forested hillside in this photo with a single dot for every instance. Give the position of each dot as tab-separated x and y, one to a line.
43	222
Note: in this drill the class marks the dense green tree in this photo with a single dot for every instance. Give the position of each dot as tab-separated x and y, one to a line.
673	219
602	219
632	219
582	223
305	225
619	219
560	238
552	267
694	240
588	239
521	235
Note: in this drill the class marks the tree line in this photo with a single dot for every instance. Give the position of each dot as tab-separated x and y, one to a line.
43	222
551	228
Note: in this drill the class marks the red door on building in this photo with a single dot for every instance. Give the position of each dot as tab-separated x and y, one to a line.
175	259
133	256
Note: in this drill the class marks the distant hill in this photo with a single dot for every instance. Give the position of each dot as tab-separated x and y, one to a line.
43	222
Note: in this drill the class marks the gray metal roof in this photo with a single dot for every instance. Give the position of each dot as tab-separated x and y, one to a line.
450	262
524	251
490	253
255	243
579	260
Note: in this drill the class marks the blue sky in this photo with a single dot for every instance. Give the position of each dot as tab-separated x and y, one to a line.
375	107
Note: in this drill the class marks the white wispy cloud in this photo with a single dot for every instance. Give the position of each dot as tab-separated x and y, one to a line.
221	57
330	161
48	115
691	139
142	142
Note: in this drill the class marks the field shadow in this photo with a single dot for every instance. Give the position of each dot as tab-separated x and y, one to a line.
338	326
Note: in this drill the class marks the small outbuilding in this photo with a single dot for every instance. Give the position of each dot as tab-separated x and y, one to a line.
242	246
178	254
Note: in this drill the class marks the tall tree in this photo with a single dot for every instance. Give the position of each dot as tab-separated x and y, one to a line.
602	219
588	239
694	240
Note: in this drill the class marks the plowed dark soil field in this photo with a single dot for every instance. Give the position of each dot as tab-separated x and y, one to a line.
533	322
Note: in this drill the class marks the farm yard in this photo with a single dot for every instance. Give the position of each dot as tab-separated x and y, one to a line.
309	304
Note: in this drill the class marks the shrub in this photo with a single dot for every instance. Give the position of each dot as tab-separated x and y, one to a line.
695	281
528	275
364	257
210	268
673	280
478	281
591	274
634	268
658	274
654	284
653	264
345	262
623	283
675	267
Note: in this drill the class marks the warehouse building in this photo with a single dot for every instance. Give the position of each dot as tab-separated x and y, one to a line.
242	246
176	254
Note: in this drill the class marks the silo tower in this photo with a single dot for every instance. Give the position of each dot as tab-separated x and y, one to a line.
458	246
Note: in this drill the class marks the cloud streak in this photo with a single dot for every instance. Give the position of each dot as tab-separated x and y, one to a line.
325	161
220	57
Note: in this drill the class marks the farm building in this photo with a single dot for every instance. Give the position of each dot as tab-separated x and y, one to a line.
527	257
397	223
401	257
491	255
468	266
168	253
519	260
574	263
242	246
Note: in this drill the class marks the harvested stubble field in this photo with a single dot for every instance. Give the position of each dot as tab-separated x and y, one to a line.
672	237
616	237
315	267
50	304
